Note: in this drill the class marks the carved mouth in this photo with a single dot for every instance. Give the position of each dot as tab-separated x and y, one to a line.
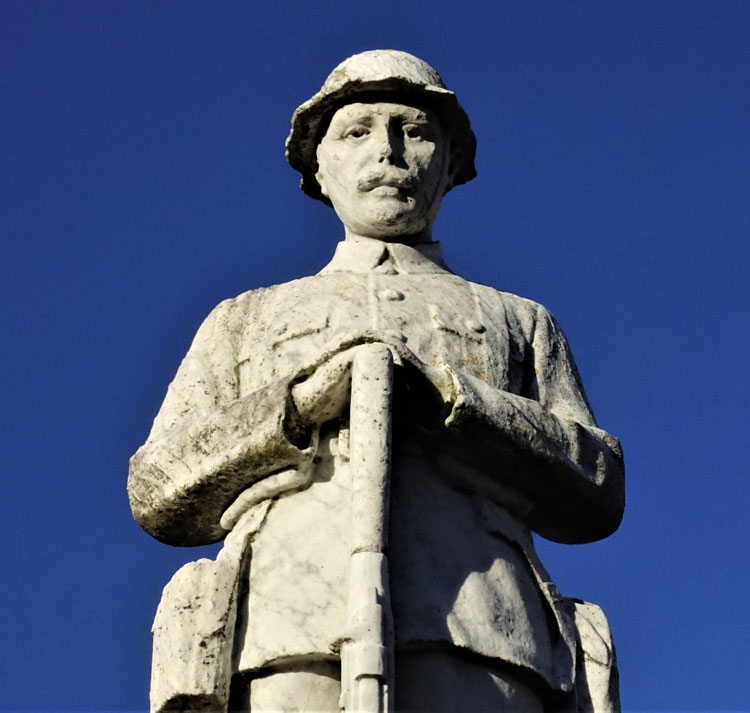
386	185
388	191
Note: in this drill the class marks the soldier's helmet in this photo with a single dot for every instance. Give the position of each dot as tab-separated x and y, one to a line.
392	75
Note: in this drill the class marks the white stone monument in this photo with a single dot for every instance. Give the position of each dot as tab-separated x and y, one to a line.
376	444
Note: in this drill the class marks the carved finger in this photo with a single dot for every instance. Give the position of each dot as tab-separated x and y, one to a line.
269	487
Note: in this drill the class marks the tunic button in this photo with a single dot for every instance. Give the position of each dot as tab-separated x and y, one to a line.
392	295
474	326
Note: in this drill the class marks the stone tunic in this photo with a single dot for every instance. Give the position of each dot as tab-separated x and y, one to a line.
519	450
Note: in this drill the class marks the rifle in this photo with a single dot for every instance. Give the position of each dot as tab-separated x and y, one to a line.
367	649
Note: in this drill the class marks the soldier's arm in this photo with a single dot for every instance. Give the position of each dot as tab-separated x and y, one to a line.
207	444
544	445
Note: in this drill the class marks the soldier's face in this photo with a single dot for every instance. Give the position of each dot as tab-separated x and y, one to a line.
385	168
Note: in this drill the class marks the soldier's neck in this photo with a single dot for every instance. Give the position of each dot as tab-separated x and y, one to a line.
416	239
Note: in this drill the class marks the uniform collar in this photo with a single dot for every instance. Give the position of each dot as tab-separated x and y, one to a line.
371	255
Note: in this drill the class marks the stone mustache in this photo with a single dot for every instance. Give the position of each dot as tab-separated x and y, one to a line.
376	444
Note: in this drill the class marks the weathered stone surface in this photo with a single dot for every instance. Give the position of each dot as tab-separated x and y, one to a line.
597	680
194	627
381	439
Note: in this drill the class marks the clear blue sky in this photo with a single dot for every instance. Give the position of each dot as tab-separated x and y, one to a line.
143	180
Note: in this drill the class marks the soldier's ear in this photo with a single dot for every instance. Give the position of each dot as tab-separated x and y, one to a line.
455	158
319	174
321	183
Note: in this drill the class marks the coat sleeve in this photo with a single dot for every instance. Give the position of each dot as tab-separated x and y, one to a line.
207	443
544	445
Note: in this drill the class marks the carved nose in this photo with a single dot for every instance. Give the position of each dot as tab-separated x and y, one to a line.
385	150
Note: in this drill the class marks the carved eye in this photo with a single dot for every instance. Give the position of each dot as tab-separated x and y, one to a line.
356	132
414	131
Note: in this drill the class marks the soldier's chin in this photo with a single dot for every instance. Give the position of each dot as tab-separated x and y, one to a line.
395	231
394	217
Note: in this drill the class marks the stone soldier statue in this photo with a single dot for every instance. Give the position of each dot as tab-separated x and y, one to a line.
377	443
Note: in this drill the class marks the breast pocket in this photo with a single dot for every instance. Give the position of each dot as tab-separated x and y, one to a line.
462	343
299	338
283	345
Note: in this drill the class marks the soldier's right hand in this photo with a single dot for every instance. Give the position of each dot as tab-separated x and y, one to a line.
325	393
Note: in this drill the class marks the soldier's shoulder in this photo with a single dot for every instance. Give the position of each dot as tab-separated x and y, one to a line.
238	308
510	301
